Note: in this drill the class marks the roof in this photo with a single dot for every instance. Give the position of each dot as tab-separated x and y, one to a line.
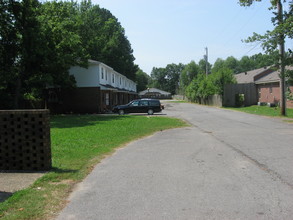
260	76
94	62
250	76
154	90
272	77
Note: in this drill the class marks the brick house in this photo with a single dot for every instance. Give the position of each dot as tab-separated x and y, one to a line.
98	88
268	88
267	84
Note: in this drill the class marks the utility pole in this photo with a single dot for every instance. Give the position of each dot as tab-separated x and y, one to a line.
281	42
206	59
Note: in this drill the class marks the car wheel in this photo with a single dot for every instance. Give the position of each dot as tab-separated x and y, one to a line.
150	111
121	112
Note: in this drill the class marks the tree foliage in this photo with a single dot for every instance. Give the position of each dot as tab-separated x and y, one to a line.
202	66
9	49
283	29
246	63
64	47
275	38
104	39
193	81
203	86
167	78
22	52
39	42
189	72
142	80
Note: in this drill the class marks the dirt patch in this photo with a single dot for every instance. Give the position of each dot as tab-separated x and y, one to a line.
67	182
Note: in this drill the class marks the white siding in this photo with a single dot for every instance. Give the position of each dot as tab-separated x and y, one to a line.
85	77
99	73
107	74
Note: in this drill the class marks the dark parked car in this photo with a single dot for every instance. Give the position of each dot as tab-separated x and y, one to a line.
140	106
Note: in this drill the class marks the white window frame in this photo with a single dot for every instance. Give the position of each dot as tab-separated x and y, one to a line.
102	73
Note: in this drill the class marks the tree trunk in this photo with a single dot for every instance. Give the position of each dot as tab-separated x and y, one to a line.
282	59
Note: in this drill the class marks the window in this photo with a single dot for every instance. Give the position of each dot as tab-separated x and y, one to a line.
144	103
102	73
120	80
135	103
154	103
113	78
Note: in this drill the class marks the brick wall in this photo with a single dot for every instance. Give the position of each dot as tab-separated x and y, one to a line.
75	100
25	140
270	93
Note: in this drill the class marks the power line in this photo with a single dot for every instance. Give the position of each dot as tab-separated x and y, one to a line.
239	30
252	48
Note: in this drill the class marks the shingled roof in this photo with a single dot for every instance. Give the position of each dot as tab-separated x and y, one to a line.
253	75
271	77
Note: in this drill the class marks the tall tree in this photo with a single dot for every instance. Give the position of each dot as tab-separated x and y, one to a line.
219	64
105	40
173	72
159	78
142	80
189	72
246	64
262	60
221	78
167	78
233	64
202	66
63	44
22	33
10	12
275	39
42	44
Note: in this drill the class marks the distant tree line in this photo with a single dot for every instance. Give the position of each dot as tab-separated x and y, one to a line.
191	80
40	41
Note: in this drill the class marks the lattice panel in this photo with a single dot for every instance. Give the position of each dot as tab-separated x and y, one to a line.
25	140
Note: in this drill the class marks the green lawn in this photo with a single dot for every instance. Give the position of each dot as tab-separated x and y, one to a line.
264	110
78	143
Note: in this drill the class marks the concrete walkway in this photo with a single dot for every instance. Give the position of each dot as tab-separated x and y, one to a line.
11	182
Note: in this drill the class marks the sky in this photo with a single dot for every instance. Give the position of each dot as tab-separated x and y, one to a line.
162	32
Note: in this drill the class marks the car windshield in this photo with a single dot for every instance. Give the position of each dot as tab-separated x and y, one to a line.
134	103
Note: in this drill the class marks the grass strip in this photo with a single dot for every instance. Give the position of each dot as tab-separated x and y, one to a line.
78	143
177	101
264	110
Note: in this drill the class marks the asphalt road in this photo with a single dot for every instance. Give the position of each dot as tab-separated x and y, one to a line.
226	165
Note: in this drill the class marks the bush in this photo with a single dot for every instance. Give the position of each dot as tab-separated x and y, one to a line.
203	86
